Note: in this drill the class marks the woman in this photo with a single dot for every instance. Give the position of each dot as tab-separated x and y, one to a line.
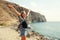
23	24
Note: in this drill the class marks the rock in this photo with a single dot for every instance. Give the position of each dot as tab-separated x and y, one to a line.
37	17
8	16
13	35
28	35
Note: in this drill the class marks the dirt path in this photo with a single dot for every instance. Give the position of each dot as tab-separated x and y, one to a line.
8	34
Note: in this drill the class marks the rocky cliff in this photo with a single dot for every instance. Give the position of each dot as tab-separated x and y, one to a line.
8	16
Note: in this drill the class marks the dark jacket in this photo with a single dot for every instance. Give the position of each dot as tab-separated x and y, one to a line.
23	23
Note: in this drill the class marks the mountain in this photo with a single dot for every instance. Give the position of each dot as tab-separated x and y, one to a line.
8	16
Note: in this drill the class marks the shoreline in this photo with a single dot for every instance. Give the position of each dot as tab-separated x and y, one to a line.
8	33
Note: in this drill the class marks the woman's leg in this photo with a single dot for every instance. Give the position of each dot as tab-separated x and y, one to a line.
23	34
23	37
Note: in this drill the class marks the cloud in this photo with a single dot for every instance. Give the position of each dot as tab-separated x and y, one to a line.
34	6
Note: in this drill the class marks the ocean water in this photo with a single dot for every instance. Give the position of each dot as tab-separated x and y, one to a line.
49	29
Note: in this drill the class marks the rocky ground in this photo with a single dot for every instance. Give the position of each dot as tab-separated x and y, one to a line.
8	33
9	17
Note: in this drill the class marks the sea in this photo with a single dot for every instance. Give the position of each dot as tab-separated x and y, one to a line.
50	30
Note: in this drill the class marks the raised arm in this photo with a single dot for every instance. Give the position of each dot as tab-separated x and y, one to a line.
28	12
11	6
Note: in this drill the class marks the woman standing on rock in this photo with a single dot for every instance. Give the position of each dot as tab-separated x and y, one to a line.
23	24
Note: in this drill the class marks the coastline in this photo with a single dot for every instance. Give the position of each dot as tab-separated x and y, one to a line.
8	33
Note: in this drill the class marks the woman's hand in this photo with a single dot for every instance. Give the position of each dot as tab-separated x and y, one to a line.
12	7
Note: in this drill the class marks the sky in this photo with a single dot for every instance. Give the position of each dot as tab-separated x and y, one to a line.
49	8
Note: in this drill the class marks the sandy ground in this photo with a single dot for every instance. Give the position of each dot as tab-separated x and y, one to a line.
10	34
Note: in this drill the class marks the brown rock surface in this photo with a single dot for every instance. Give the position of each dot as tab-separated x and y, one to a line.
8	16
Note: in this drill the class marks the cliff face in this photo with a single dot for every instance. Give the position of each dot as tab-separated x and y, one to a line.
8	16
37	17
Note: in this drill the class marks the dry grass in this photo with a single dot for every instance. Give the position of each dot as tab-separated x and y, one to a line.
8	23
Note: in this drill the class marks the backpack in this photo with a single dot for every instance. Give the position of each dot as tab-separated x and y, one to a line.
24	24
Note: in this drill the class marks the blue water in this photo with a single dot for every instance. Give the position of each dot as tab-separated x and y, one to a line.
51	29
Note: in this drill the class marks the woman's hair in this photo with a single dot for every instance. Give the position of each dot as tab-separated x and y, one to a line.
22	12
